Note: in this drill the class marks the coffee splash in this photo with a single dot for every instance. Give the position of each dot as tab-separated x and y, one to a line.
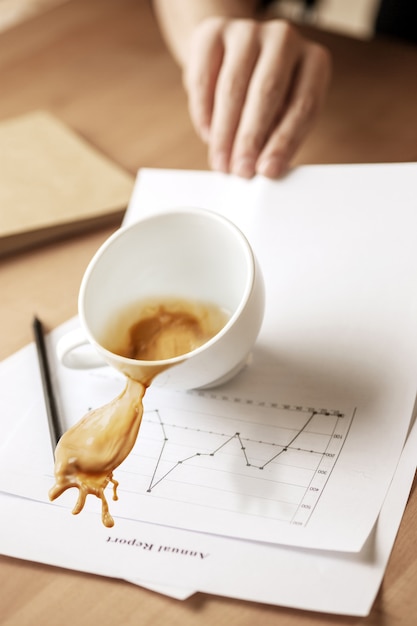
89	452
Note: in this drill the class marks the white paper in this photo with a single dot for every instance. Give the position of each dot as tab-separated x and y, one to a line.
160	557
366	372
188	469
199	453
300	448
337	248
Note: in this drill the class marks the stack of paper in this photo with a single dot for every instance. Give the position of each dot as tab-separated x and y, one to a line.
287	484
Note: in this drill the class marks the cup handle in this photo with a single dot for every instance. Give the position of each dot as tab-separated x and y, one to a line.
74	351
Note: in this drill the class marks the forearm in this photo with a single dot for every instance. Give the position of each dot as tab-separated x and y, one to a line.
178	18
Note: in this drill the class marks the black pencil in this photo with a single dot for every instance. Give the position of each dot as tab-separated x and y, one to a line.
48	390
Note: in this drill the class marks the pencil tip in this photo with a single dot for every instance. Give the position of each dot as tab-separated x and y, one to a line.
36	322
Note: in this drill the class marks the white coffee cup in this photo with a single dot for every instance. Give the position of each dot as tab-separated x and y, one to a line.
185	253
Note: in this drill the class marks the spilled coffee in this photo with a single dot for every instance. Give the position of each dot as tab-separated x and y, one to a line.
89	452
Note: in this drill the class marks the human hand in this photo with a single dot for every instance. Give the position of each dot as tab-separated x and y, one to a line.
255	89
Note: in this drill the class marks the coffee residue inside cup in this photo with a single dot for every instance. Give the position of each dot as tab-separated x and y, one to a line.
89	452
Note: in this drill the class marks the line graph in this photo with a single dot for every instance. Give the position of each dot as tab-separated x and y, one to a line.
238	456
240	439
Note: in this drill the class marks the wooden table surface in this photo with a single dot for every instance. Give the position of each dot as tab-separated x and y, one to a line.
101	67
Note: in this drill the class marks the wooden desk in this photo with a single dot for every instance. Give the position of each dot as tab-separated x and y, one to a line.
101	67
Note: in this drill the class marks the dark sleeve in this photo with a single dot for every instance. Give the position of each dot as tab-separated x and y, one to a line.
397	18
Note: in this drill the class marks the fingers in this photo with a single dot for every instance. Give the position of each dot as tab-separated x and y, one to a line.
305	102
255	89
266	95
201	73
241	43
223	55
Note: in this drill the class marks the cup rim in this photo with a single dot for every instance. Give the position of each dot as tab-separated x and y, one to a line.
110	356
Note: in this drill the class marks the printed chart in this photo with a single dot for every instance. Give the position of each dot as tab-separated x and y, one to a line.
222	454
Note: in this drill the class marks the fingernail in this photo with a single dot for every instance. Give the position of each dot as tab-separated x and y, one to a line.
244	167
219	162
271	167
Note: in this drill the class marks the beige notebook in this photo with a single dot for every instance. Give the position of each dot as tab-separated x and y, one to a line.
53	183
